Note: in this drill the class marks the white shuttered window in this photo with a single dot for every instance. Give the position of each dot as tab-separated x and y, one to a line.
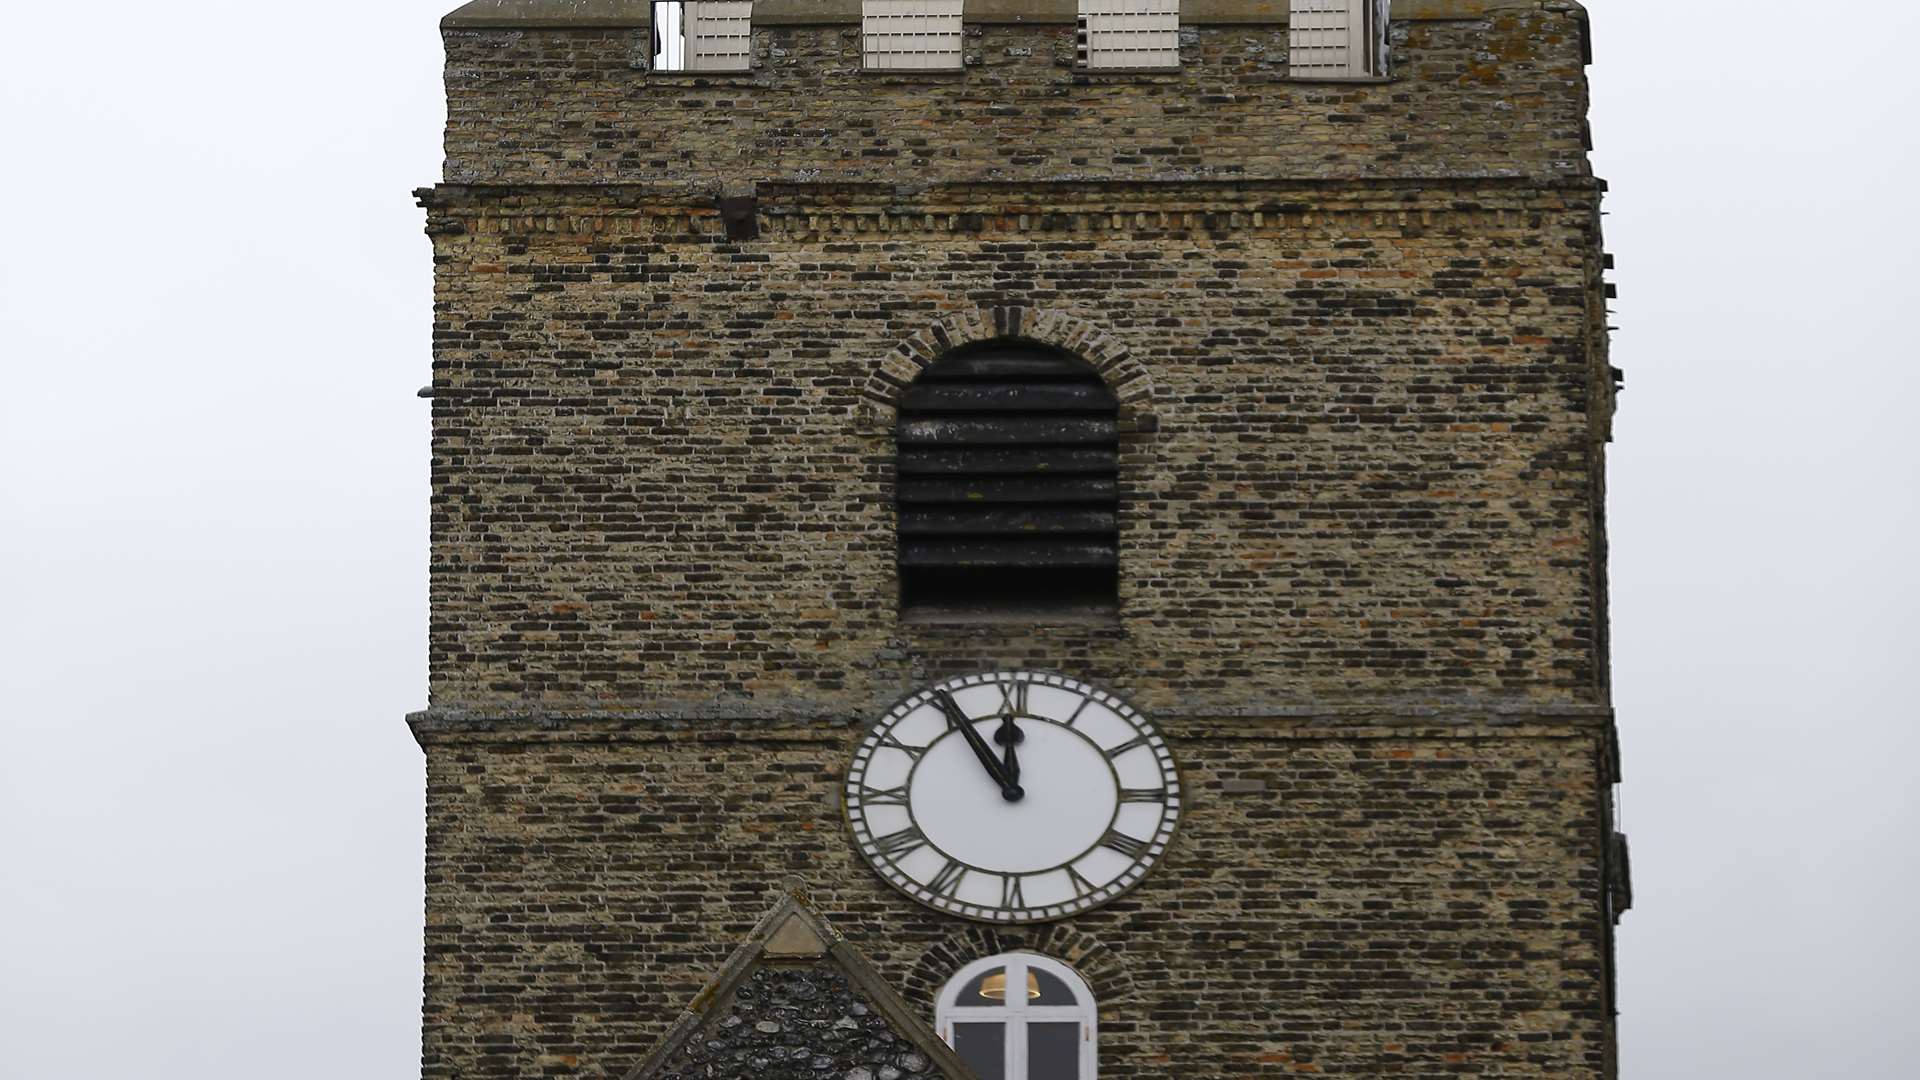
910	34
1129	33
1337	39
719	35
702	35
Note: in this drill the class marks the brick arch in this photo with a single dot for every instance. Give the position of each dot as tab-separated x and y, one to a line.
1128	378
1104	968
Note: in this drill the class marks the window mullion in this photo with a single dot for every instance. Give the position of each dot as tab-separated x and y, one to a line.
1016	1019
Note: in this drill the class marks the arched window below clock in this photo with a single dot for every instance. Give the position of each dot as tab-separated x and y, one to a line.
1020	1016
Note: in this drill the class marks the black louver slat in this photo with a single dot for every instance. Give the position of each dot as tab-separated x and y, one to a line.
975	431
1008	482
936	462
982	492
1028	522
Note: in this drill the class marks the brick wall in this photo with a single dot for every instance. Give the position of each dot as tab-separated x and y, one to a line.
1387	905
662	480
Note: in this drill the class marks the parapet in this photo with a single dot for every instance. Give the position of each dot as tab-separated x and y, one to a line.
620	14
569	91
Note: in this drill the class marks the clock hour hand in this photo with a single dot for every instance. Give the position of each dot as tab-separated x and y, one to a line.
1009	736
959	721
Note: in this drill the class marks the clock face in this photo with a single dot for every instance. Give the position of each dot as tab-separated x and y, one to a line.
1012	797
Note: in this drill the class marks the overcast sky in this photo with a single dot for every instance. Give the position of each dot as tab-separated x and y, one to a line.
214	310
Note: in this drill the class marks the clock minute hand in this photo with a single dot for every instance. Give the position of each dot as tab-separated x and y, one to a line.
959	721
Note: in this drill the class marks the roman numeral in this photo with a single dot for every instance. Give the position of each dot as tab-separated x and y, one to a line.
888	742
947	881
1084	702
1130	846
893	796
1081	886
1143	794
1134	743
1013	698
1012	895
894	845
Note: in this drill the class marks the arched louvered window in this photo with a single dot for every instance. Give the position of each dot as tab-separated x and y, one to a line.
1008	486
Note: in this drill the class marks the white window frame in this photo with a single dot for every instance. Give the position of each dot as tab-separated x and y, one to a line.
911	35
1016	1014
1128	34
702	35
1337	39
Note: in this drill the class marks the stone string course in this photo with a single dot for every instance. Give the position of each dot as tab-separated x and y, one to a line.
1360	336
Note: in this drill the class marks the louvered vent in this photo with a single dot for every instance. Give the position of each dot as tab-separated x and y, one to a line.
702	35
1129	34
910	34
719	35
1008	486
1337	39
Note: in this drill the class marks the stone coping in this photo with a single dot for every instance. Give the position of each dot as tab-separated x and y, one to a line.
621	14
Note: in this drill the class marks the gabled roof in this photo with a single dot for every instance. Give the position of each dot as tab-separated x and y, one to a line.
796	999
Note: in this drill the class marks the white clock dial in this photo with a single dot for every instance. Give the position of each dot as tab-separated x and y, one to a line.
1015	796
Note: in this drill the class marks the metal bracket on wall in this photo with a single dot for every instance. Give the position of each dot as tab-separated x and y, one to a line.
1619	875
740	215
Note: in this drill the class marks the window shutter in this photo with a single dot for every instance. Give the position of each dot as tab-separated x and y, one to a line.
1337	39
910	34
1007	485
1129	33
719	35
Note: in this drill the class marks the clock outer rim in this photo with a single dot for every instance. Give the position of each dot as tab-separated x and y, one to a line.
1179	777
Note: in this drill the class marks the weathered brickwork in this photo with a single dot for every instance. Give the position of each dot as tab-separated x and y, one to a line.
656	482
1398	905
1358	336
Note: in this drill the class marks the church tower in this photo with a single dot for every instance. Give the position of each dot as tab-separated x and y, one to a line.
1103	499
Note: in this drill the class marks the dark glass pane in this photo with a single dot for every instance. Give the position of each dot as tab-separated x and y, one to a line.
985	990
984	1048
1052	990
1053	1051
